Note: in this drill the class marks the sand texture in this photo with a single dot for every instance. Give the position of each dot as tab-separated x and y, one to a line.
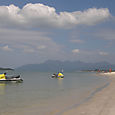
102	103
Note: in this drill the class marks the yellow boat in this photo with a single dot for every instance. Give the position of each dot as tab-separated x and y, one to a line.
58	75
4	78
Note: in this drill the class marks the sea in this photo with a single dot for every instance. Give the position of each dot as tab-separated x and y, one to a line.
39	94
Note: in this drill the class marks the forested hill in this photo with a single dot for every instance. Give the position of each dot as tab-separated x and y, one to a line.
66	65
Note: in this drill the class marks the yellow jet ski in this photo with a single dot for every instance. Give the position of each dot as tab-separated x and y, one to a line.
4	78
58	75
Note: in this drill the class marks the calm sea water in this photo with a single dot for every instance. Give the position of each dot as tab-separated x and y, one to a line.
41	94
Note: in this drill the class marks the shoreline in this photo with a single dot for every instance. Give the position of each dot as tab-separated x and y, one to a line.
101	103
68	105
85	100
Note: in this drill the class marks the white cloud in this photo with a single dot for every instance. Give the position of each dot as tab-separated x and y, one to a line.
41	47
39	15
92	15
6	48
103	53
75	51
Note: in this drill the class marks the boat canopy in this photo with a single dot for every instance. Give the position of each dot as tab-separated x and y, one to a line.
60	74
2	76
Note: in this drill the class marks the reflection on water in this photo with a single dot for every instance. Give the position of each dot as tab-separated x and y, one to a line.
5	84
2	88
8	96
60	83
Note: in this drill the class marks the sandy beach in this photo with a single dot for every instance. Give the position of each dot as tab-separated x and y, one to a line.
102	103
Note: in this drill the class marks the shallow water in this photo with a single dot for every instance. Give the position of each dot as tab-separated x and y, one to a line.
39	94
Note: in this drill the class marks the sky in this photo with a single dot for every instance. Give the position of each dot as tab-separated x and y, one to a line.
33	31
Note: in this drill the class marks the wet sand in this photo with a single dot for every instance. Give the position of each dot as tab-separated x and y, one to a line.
102	103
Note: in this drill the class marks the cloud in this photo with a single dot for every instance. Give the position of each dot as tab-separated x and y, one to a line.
28	42
29	50
92	16
6	48
39	15
103	53
77	41
41	47
28	47
107	34
75	51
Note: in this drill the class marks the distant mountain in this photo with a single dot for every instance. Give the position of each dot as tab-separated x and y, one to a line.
55	66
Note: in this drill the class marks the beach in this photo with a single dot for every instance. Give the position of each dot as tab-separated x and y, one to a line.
81	94
102	103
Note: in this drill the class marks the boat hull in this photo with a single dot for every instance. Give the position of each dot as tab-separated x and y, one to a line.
12	79
60	78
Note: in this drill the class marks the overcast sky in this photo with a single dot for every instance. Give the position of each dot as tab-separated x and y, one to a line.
33	31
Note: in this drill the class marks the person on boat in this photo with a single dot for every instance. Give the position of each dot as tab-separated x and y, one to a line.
5	75
54	75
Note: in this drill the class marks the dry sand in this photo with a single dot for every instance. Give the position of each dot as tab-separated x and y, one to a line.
102	103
